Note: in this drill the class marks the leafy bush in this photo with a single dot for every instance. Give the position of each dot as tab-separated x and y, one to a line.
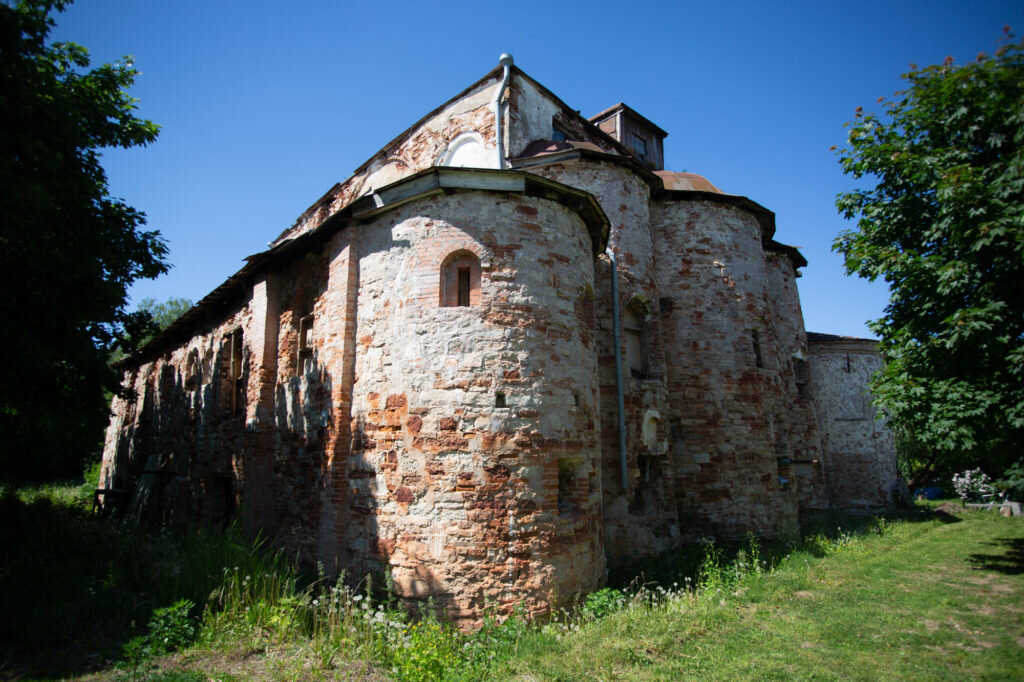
1012	482
172	628
599	604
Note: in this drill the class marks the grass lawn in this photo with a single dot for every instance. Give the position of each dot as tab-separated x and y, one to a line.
925	595
937	597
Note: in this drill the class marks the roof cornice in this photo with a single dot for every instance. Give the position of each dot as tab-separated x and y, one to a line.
430	182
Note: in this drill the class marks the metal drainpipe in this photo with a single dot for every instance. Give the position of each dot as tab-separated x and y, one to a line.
506	61
621	403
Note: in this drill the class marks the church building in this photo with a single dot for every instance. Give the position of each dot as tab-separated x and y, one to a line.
510	350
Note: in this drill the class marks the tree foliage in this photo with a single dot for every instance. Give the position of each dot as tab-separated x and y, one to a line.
943	225
163	314
68	251
153	317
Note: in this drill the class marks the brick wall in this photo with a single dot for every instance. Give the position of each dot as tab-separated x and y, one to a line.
453	488
858	446
728	439
178	444
792	407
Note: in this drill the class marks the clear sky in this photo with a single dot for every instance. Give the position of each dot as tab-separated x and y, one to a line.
264	106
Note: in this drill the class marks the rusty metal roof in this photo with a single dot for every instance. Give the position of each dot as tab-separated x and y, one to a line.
686	181
543	147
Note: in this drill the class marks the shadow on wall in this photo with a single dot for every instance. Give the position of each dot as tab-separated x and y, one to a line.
288	467
375	556
188	456
157	467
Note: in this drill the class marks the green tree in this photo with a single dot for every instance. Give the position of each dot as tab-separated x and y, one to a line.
163	313
68	251
943	225
154	316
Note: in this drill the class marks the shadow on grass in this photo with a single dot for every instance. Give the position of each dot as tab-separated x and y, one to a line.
946	512
941	515
1010	562
817	528
64	609
76	587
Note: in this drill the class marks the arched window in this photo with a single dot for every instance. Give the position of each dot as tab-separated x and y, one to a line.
460	280
649	430
636	341
193	371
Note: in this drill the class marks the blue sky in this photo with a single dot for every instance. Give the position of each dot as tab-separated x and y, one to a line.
264	106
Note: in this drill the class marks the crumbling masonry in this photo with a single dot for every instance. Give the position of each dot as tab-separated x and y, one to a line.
493	368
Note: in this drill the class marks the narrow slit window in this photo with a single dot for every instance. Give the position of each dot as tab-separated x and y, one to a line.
801	379
756	338
499	400
237	387
463	287
305	359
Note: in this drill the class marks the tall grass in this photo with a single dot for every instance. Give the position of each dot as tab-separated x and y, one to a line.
338	622
77	587
103	582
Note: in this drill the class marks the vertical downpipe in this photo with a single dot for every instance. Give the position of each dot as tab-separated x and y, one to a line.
621	403
499	138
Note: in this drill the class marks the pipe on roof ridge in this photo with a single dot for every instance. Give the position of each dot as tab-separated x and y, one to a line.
506	61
